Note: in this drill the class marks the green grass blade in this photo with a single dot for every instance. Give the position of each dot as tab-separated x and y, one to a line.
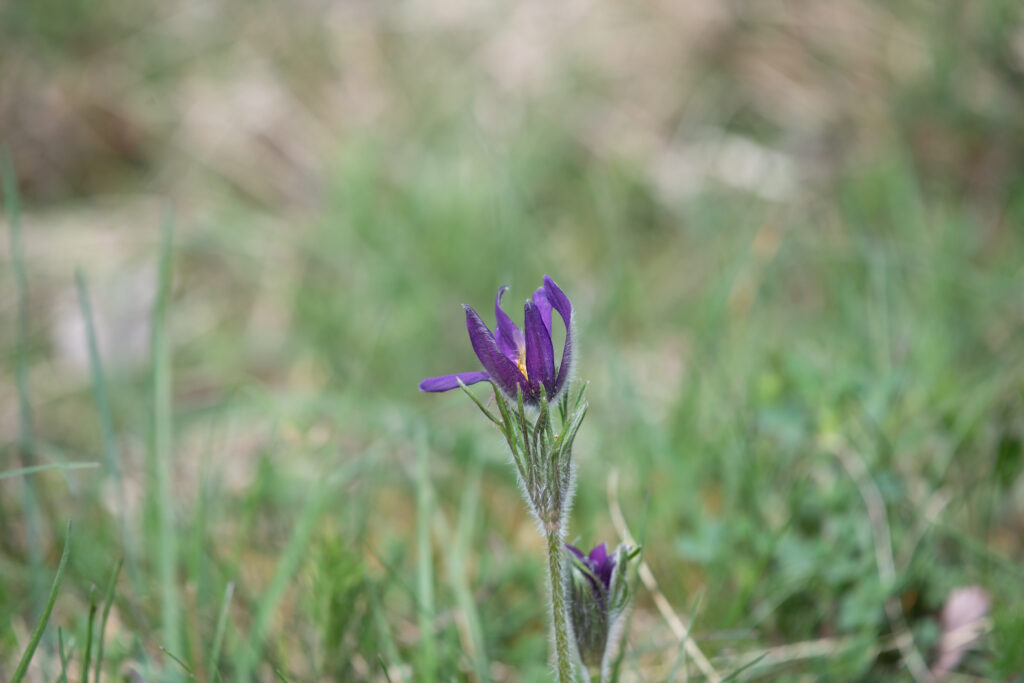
425	567
63	657
22	471
179	661
26	434
37	634
680	649
108	434
161	473
111	451
108	601
736	674
383	667
222	621
87	655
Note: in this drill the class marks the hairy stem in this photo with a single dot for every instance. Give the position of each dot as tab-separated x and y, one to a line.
559	607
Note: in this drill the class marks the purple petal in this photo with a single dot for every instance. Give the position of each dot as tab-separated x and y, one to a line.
599	575
509	338
449	382
561	303
605	566
599	555
503	371
540	300
540	357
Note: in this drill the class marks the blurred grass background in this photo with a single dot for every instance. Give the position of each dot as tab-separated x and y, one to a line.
792	232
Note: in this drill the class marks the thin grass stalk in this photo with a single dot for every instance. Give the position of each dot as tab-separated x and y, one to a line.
87	655
63	657
218	634
424	568
22	471
26	433
108	601
37	634
111	451
161	473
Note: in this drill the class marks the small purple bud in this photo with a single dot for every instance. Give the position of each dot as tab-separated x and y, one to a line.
599	596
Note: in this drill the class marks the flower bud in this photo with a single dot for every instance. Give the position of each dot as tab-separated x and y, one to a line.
599	600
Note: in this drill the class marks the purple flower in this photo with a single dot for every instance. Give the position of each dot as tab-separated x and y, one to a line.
599	565
518	359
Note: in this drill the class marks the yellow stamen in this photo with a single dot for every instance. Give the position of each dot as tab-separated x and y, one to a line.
521	363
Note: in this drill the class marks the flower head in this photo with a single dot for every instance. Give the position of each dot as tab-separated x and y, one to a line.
517	359
598	598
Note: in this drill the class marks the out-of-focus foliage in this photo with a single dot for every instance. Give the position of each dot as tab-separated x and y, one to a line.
792	232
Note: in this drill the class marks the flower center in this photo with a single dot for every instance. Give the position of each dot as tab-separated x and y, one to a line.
521	362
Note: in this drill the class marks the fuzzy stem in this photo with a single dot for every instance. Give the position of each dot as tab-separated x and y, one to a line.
559	607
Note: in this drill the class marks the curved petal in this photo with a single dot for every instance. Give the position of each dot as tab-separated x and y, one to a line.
503	371
449	382
509	337
540	357
574	550
560	302
540	300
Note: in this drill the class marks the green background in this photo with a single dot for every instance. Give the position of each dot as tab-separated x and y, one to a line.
792	234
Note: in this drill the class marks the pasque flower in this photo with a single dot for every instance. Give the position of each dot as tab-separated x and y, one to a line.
517	359
539	422
599	597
